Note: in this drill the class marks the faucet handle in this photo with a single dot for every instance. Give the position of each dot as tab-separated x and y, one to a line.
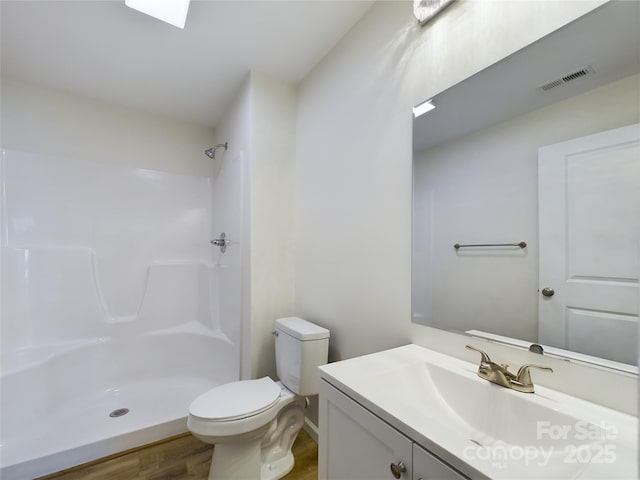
485	357
523	376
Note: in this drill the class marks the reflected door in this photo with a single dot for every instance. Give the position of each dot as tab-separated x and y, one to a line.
589	234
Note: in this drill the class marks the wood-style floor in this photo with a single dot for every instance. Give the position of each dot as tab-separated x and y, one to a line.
179	458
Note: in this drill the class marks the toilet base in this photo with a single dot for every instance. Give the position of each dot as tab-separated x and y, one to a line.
278	468
277	459
236	461
267	457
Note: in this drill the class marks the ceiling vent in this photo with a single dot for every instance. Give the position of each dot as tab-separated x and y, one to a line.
567	78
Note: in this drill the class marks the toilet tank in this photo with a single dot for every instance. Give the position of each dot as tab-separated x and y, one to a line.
301	347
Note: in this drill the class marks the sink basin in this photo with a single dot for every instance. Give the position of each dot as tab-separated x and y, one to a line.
531	432
440	402
490	414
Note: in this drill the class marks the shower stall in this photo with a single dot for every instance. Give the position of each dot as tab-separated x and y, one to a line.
117	310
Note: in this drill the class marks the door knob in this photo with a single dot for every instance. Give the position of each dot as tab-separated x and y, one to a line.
397	469
548	292
221	242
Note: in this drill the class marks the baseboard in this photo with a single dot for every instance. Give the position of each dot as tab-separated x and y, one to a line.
311	429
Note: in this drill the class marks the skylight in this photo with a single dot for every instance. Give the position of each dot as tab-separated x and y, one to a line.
170	11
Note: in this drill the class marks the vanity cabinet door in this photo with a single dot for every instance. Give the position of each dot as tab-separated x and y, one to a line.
357	445
428	467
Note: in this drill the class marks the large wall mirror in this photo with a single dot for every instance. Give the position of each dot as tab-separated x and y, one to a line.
543	149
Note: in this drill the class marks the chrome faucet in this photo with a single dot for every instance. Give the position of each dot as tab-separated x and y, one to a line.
500	374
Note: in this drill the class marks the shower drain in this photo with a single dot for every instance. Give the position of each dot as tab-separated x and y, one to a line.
119	412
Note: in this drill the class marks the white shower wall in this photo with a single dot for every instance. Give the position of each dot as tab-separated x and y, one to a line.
107	222
87	245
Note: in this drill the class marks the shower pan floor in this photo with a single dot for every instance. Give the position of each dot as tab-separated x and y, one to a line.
83	430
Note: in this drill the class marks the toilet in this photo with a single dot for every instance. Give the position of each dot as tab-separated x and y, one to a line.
253	423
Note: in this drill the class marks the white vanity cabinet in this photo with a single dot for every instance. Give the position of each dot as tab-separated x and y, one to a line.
357	445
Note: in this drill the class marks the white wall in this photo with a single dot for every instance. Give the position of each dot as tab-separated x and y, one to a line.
483	188
353	172
353	178
272	214
260	127
42	120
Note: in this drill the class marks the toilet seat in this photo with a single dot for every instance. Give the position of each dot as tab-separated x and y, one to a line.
236	400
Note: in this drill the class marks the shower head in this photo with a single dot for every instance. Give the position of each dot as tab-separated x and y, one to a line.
211	152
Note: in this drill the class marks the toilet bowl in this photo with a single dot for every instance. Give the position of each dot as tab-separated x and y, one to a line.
248	420
253	423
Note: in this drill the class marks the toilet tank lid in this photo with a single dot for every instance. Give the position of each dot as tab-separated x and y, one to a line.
301	329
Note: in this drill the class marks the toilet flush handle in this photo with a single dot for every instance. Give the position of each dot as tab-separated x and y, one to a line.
275	333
